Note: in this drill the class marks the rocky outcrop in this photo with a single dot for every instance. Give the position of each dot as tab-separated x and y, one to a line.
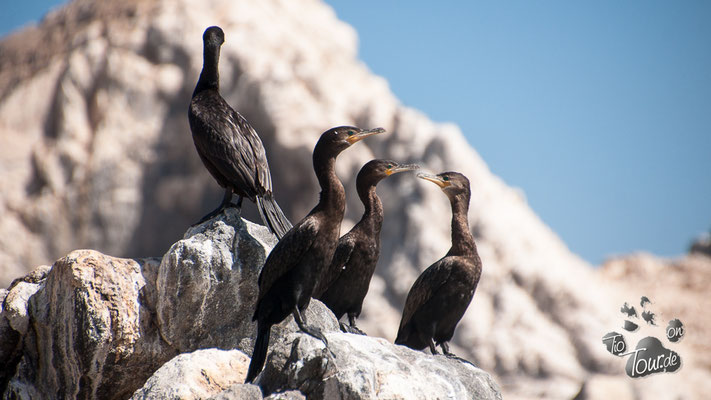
97	154
200	375
98	327
88	333
356	366
207	285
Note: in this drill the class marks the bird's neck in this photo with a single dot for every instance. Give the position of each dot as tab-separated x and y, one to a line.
209	76
333	196
373	215
462	239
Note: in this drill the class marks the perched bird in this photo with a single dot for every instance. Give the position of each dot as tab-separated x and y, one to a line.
295	265
346	281
227	145
441	294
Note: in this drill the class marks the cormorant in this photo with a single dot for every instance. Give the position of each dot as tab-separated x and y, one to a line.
441	294
296	264
346	281
228	146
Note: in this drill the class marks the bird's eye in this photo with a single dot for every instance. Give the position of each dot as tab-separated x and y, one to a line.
445	178
390	166
351	133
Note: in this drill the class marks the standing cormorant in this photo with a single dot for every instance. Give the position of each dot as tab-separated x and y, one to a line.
441	294
346	281
227	145
296	264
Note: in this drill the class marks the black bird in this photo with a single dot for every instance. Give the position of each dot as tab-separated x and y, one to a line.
228	146
346	281
441	294
296	264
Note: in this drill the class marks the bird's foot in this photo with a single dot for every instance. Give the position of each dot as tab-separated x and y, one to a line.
351	329
318	334
314	332
311	330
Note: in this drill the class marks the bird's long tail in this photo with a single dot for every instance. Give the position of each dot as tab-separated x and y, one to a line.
272	215
259	354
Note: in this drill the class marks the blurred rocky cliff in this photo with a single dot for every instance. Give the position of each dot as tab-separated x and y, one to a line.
97	154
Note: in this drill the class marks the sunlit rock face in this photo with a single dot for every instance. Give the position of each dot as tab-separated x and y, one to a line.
94	326
97	154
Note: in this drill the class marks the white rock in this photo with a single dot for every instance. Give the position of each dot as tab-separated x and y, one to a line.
197	375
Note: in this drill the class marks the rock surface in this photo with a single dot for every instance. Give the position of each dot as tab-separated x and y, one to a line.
200	375
207	285
97	154
91	335
99	331
363	367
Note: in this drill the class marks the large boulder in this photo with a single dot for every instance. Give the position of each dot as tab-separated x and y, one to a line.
200	375
90	334
207	284
362	367
95	326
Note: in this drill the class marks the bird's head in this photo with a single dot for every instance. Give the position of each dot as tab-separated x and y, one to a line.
213	37
375	170
335	140
451	183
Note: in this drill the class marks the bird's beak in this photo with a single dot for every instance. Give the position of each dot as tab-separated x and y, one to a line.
434	179
402	168
363	134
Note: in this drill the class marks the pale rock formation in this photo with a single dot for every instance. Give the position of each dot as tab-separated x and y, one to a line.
207	285
106	328
90	336
362	367
199	375
97	154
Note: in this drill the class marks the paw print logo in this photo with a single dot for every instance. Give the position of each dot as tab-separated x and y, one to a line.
649	356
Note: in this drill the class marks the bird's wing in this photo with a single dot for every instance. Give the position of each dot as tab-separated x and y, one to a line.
232	146
258	155
428	283
287	253
341	256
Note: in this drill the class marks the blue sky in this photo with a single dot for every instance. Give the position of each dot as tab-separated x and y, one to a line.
600	111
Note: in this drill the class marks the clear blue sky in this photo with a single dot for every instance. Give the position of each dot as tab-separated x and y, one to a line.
600	111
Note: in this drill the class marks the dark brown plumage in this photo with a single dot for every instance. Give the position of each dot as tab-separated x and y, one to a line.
228	146
346	281
297	262
441	294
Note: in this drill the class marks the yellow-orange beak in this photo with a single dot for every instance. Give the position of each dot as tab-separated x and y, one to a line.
434	179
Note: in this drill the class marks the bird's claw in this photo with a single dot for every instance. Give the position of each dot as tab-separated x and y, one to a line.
351	329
